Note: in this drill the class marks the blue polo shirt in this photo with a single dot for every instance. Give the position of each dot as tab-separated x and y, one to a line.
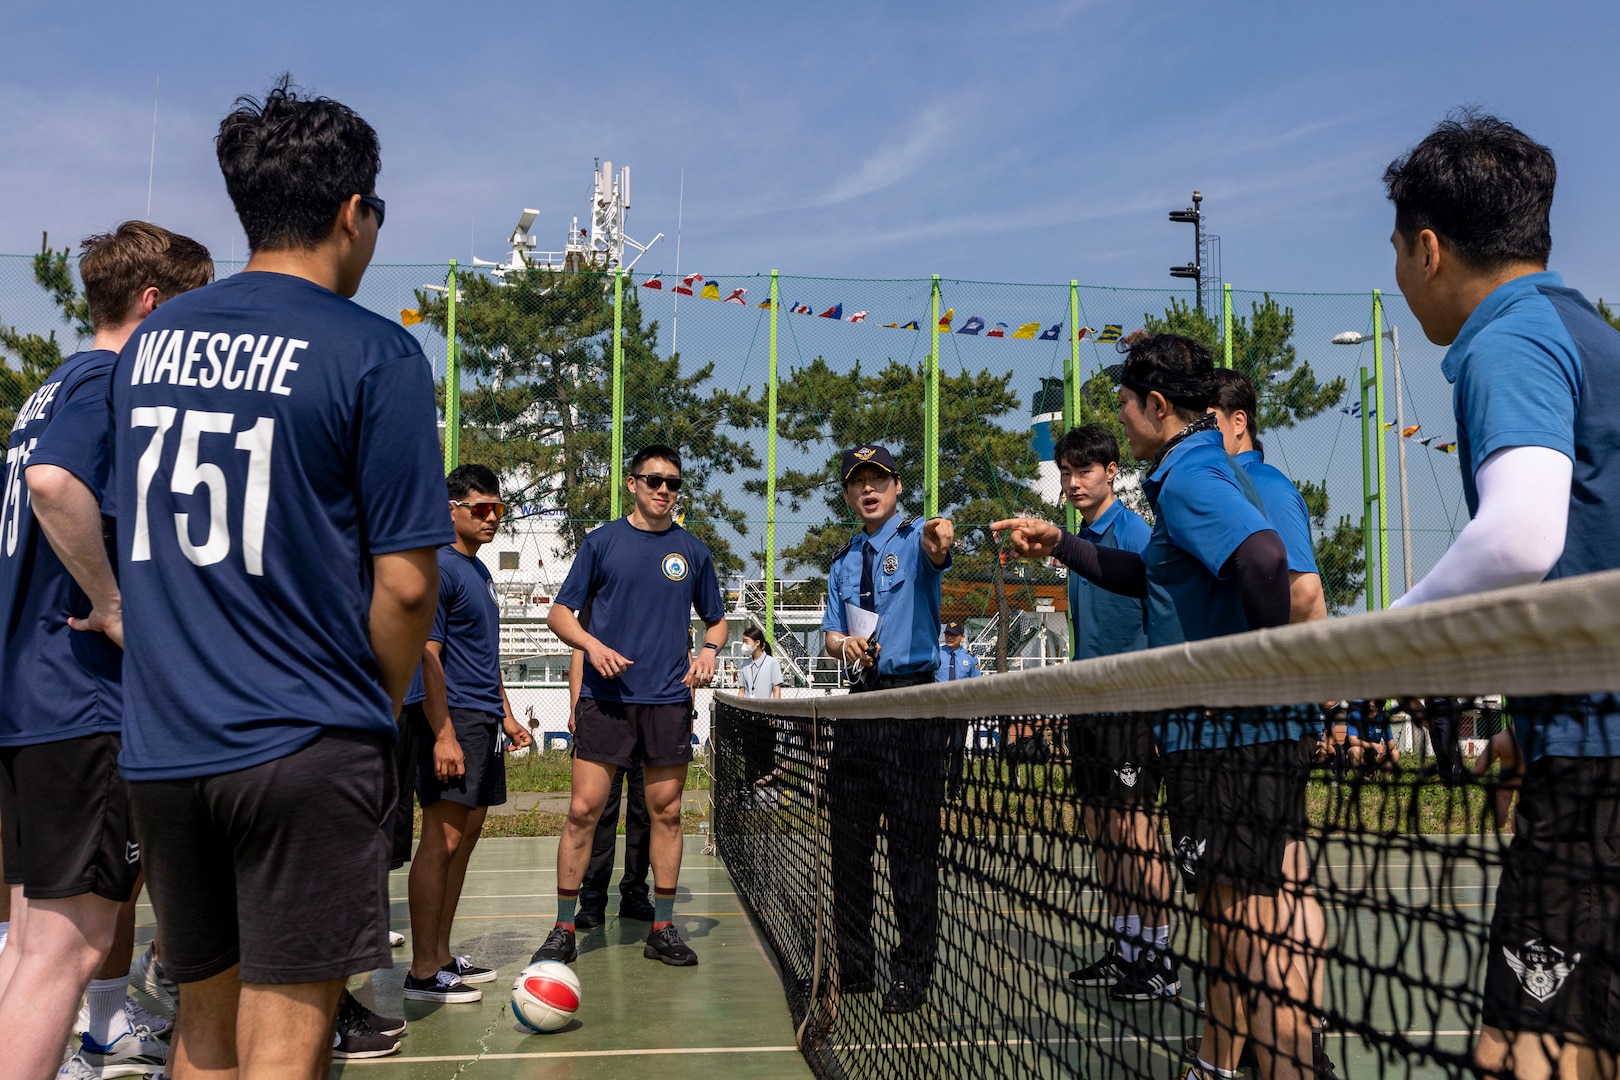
1536	365
1204	507
1106	623
59	683
955	664
1285	509
641	588
906	586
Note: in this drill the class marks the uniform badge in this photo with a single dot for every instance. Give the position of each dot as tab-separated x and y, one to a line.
1188	853
865	452
1541	968
1127	774
891	563
491	586
674	566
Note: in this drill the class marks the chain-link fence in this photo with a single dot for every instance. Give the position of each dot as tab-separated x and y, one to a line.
762	380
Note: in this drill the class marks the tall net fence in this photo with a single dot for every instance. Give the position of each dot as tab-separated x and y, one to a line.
557	373
941	872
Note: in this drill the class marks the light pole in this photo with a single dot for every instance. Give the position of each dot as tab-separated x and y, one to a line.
1350	337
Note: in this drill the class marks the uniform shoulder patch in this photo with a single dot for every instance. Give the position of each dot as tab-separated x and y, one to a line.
906	523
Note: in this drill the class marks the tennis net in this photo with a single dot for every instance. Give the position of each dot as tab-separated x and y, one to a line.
930	865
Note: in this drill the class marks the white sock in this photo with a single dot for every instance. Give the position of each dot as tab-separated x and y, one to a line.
1160	937
1129	929
1224	1074
107	1020
5	932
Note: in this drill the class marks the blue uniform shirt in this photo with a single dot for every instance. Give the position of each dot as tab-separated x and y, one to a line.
1204	508
1285	509
642	588
269	439
907	590
1106	623
59	683
955	664
468	625
1536	365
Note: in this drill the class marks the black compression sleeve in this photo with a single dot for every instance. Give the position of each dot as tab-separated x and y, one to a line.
1260	565
1118	571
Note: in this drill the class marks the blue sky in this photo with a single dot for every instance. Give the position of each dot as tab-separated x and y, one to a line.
1012	142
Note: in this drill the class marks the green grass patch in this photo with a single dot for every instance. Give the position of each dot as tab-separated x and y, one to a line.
552	770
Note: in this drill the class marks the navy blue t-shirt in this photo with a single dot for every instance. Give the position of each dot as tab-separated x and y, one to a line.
1285	509
1536	365
59	683
468	625
642	588
269	438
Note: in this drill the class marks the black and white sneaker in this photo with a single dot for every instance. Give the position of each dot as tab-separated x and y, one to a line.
559	946
1151	977
469	972
354	1036
1105	971
444	986
666	945
383	1025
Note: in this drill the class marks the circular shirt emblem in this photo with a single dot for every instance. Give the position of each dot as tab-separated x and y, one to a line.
891	563
674	566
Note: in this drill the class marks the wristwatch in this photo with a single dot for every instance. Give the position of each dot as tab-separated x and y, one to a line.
710	645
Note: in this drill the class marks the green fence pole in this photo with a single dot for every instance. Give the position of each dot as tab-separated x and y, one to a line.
770	477
1378	433
1071	398
1367	496
452	380
1226	325
931	414
616	503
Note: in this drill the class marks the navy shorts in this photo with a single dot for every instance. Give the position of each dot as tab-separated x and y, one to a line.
626	733
484	782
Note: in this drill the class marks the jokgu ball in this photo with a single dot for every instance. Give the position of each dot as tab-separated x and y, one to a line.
545	996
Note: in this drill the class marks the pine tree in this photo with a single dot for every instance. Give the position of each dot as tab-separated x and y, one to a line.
34	356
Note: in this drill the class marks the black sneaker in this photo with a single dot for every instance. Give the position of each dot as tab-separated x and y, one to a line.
636	906
356	1038
383	1025
468	972
904	996
442	987
666	945
589	918
1105	971
559	945
1151	977
1246	1057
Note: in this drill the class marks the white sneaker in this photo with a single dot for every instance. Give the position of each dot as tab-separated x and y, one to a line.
137	1052
395	939
138	1018
157	994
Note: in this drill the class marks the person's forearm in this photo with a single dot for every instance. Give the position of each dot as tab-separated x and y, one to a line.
1114	569
1260	567
404	597
1306	601
576	679
566	625
716	635
71	518
436	705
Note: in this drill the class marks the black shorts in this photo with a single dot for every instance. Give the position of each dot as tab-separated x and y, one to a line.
1553	965
282	867
1233	811
626	733
1113	762
64	810
484	781
411	719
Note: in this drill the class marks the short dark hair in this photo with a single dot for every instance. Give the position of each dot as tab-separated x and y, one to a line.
656	451
1088	444
758	635
1234	392
117	267
291	161
1482	185
1180	368
467	478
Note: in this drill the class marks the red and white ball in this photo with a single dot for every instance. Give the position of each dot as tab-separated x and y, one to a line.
545	996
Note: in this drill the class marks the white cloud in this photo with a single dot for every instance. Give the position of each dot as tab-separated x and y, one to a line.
893	163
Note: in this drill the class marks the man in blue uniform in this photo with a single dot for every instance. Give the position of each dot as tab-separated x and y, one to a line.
641	578
1236	409
1114	764
887	769
72	860
460	772
1535	373
955	661
279	496
1235	787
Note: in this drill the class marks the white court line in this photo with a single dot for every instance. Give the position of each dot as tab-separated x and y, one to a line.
658	1051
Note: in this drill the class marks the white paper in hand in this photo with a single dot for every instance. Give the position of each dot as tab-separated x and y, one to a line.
861	623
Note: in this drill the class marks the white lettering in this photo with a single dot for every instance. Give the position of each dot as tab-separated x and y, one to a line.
146	355
169	365
262	362
293	345
233	378
192	356
210	378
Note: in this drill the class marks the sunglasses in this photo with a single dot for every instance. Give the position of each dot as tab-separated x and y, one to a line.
658	480
378	207
482	509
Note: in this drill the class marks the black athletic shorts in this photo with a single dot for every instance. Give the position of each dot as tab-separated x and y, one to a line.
1233	810
411	720
1553	965
627	734
282	867
484	781
1113	762
64	810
